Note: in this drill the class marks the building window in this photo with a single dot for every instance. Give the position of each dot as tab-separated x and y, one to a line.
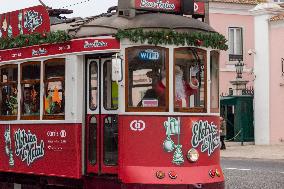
30	85
235	43
147	79
9	92
190	80
54	85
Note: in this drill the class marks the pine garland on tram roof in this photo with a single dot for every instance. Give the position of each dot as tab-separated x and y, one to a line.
34	39
170	37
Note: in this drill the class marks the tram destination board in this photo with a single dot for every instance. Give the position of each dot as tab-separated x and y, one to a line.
189	7
74	46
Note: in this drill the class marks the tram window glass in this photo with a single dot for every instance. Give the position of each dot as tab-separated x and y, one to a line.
9	91
93	141
190	80
30	83
93	85
54	83
147	79
214	87
111	140
110	88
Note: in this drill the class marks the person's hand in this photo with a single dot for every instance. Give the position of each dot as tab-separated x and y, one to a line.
194	70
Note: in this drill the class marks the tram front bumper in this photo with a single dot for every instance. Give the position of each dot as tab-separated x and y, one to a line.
216	185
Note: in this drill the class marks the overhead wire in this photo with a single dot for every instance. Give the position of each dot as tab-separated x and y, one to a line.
74	4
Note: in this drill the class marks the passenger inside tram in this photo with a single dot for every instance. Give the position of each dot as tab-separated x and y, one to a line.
158	91
31	101
184	88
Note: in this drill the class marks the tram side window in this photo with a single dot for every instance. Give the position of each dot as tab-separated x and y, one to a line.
30	83
93	86
54	83
147	79
111	140
214	70
190	80
110	88
9	91
92	145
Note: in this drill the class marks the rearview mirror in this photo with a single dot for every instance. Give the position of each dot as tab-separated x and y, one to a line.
116	69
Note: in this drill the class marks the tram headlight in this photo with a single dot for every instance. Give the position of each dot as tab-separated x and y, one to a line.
217	172
160	174
192	155
172	174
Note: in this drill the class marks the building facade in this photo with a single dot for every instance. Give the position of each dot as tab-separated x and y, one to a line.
255	33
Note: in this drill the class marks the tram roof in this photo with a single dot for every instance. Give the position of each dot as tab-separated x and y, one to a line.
109	23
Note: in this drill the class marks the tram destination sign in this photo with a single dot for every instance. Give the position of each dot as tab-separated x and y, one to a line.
164	5
74	46
198	8
25	21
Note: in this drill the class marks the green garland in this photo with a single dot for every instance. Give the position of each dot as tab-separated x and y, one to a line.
170	37
34	39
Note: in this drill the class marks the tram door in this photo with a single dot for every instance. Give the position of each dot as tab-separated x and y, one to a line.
102	118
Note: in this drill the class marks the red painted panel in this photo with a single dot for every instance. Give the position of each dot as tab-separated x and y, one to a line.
25	21
141	142
161	5
199	8
185	175
74	46
41	149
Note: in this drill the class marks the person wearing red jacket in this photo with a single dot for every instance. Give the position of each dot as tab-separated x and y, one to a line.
183	89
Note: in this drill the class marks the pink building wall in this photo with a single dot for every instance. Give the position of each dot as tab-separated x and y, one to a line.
276	78
221	22
266	38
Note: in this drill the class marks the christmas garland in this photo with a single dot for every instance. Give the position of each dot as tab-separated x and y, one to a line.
170	37
34	39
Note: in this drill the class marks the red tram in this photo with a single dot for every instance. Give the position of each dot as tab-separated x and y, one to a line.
139	110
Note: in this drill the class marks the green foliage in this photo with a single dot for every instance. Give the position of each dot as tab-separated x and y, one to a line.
12	104
170	37
34	39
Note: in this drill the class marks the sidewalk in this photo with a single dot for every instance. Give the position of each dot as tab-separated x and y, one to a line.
271	152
